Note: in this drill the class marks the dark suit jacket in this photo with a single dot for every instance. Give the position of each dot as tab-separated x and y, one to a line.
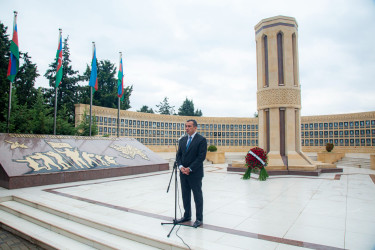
195	155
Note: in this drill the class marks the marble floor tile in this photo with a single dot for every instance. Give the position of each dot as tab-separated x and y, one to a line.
359	241
238	214
246	243
317	235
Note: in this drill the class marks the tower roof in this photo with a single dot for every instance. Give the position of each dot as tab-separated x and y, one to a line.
275	21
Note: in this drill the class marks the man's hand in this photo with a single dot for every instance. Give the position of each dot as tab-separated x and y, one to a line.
185	170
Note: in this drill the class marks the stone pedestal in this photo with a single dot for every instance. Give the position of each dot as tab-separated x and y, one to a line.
216	157
372	158
238	164
299	161
275	162
330	157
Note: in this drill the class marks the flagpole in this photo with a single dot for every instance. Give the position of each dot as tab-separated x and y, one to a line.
10	84
118	111
54	119
118	118
56	87
93	50
9	105
90	107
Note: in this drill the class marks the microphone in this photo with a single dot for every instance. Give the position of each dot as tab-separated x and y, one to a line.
182	136
178	140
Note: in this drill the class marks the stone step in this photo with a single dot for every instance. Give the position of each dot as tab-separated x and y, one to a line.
78	228
84	234
354	165
355	159
38	235
354	162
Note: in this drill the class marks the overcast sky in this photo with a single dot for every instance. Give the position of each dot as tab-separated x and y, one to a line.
205	50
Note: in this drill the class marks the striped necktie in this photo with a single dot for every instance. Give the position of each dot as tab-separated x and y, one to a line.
188	144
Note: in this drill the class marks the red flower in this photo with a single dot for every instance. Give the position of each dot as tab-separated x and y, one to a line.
253	162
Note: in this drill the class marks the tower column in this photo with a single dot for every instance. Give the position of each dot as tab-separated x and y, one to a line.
275	161
279	94
261	129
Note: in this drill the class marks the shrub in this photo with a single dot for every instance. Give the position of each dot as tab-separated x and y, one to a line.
329	147
212	148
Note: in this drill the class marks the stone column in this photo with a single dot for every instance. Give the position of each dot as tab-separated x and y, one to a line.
277	56
261	129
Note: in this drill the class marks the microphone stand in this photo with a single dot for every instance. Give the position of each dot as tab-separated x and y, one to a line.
174	171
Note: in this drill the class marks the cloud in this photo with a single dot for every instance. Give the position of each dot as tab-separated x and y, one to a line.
205	50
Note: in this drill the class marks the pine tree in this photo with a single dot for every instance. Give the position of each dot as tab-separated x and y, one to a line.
42	118
25	81
125	104
4	60
146	109
83	128
164	108
20	118
198	112
106	96
63	127
187	109
23	91
67	91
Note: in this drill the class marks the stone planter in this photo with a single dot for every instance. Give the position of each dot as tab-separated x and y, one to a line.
216	157
330	157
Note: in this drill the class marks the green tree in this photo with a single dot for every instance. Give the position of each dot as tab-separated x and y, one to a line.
63	126
165	108
146	109
20	118
187	109
106	96
4	60
125	104
67	91
198	112
83	128
25	81
83	94
23	91
42	118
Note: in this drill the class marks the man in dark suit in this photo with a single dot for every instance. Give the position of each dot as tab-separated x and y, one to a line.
191	153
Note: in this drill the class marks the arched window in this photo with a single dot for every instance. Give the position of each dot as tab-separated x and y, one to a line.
265	52
280	58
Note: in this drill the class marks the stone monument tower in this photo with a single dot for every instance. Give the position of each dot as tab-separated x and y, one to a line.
279	94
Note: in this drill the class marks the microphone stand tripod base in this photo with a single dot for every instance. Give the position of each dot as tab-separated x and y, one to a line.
174	223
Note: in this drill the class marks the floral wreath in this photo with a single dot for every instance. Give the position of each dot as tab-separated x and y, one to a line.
256	161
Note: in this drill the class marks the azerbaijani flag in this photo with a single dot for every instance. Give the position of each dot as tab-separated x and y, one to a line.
59	68
120	81
14	57
94	72
123	95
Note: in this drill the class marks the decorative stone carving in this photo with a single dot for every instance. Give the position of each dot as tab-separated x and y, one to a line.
279	97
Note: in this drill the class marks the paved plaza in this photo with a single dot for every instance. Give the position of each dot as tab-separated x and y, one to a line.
332	211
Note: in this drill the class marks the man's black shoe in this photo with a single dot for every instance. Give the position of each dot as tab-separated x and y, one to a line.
197	223
183	219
